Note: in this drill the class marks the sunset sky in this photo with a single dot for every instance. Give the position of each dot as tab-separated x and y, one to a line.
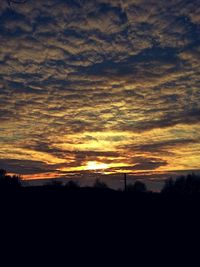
100	88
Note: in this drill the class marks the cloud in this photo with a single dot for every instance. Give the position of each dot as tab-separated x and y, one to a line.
25	166
72	72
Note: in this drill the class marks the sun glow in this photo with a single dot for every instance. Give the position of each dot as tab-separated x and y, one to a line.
94	165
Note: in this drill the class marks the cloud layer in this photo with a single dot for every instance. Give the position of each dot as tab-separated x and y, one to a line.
109	81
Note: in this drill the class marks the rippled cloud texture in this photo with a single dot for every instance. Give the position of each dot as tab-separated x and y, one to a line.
112	82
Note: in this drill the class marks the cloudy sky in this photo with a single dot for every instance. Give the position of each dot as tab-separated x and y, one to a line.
100	87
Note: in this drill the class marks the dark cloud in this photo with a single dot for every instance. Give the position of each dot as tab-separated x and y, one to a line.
80	78
140	163
25	166
160	147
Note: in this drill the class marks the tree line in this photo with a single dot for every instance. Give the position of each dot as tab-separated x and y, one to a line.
189	184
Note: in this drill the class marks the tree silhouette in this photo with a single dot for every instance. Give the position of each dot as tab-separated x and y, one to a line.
72	185
180	185
192	183
189	184
99	184
137	187
56	183
2	173
7	181
168	186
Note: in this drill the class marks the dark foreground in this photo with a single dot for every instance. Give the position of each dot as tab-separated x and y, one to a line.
93	225
91	204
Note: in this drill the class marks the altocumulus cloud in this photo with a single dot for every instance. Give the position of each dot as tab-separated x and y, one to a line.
111	81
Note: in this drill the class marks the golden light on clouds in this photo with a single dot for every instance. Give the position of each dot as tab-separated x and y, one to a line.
116	89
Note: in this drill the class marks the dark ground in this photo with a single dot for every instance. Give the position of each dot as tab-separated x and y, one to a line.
92	225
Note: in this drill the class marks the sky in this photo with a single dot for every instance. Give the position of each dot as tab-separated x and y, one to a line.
98	88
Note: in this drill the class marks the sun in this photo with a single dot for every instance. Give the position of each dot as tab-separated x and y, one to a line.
94	165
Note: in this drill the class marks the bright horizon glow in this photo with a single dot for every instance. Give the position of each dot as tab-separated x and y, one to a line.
94	165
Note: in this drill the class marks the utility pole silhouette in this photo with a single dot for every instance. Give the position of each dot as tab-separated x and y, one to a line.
125	182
